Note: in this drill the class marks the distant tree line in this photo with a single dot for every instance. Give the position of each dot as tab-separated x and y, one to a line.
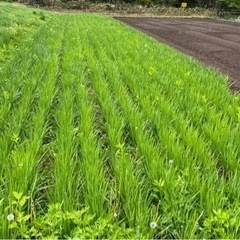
233	5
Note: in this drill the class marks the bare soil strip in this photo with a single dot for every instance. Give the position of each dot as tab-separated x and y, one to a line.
215	43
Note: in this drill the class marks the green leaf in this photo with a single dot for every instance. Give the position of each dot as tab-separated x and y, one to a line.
23	201
17	195
26	218
13	225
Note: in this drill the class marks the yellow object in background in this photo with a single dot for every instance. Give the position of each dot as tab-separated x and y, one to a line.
184	5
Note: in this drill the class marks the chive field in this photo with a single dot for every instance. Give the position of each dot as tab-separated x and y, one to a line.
106	133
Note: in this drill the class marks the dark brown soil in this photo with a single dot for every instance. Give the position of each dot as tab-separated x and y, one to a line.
213	42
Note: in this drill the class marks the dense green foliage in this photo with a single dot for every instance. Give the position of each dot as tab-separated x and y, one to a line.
105	133
216	4
17	24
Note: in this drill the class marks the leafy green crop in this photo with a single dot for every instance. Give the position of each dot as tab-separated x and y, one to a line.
106	133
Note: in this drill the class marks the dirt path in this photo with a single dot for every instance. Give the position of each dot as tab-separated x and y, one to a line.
216	43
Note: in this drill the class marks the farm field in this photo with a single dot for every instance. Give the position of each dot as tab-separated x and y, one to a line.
106	133
214	42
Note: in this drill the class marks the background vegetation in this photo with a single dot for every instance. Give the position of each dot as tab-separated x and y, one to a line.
219	5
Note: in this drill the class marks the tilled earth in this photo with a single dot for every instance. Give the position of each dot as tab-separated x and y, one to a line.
213	42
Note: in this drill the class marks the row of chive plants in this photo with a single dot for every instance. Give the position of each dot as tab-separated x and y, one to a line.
78	173
29	88
129	182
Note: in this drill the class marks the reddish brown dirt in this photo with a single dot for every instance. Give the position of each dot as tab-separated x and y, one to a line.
213	42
